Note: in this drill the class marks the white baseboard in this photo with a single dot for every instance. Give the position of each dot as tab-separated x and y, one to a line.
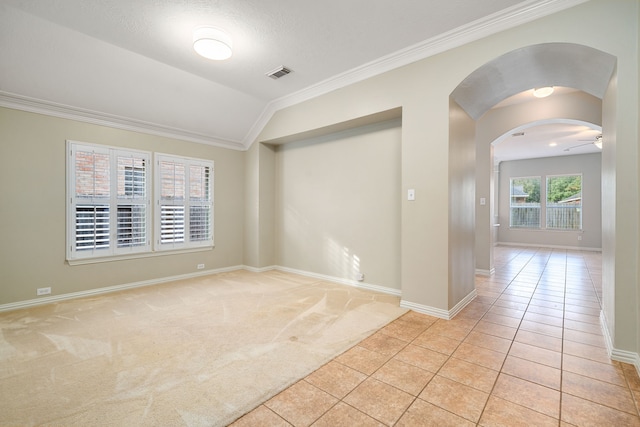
614	353
438	312
342	281
115	288
259	269
425	309
481	272
463	303
538	245
605	333
108	289
443	314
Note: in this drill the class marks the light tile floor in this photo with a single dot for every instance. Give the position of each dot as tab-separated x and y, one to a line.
528	351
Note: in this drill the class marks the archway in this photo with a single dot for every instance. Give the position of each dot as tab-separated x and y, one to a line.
551	64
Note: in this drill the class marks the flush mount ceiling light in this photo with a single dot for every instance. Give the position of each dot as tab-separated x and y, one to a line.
543	92
212	43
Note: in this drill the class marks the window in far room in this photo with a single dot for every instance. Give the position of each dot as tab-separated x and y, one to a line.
564	202
524	202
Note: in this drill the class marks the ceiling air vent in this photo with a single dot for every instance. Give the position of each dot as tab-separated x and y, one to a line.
278	72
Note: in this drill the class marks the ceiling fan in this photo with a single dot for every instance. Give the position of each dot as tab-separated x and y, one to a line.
597	142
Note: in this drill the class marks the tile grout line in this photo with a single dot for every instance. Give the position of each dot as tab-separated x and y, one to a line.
368	376
628	385
564	313
517	329
417	396
551	287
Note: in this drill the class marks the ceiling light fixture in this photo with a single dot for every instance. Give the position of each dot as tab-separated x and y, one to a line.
212	43
543	92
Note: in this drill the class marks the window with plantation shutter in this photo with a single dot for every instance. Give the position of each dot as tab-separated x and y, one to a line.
184	198
91	194
200	203
109	201
133	202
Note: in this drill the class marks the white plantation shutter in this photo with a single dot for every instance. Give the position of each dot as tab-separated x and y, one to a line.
200	207
109	201
133	201
184	200
90	192
92	227
172	219
109	211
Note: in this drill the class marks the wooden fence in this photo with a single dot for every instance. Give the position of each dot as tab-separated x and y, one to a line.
559	216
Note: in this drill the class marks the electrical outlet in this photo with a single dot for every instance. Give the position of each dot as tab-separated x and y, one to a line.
579	237
43	291
200	266
360	277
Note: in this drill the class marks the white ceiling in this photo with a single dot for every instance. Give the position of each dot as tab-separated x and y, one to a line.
548	139
130	62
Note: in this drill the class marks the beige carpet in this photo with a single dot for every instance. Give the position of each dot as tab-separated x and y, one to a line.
199	352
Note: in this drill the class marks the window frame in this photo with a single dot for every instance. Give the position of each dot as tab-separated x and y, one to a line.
113	200
547	202
152	246
511	205
188	203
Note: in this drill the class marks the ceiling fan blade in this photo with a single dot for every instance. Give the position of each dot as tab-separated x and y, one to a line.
579	145
592	139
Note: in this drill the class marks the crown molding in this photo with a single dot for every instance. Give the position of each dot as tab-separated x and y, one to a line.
500	21
266	115
33	105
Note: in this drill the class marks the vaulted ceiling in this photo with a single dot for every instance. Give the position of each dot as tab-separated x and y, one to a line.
131	64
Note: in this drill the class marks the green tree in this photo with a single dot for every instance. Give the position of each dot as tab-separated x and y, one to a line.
531	186
563	187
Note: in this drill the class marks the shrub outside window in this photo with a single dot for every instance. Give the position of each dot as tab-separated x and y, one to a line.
564	202
524	208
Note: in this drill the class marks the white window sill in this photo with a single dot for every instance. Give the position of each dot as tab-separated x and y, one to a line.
153	254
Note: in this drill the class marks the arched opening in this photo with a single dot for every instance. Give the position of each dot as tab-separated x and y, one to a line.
586	70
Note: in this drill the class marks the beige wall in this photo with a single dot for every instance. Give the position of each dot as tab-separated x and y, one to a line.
422	89
32	212
259	199
588	165
338	204
462	210
250	236
485	232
